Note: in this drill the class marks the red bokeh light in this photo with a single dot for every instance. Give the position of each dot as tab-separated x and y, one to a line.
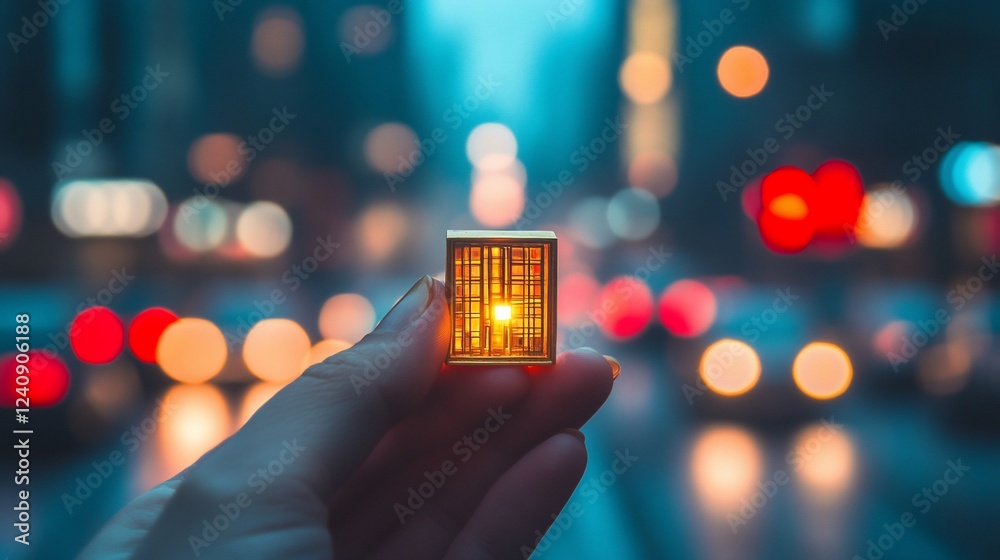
624	307
687	308
145	331
797	208
97	335
48	380
10	213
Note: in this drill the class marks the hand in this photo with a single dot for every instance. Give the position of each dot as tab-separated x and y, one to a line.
380	452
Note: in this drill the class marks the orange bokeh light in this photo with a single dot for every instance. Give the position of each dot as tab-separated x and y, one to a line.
192	350
743	71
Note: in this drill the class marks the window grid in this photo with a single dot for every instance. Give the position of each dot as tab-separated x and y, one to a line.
490	274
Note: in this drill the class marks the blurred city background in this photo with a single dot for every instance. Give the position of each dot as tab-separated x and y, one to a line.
220	193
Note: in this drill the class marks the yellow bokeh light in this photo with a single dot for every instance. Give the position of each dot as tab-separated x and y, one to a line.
347	317
276	350
743	71
326	348
726	465
730	367
194	419
823	458
645	77
501	312
888	218
191	350
822	370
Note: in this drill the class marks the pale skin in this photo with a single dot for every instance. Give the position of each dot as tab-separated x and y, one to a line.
350	450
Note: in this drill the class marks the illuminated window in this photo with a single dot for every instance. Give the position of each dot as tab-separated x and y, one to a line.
502	291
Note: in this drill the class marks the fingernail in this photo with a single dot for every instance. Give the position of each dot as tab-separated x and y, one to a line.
616	368
408	308
576	433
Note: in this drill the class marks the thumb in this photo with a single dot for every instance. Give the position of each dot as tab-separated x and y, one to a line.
326	422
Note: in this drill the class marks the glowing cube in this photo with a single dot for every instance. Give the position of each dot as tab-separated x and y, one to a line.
502	292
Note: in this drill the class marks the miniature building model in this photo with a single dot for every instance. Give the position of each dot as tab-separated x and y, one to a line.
502	292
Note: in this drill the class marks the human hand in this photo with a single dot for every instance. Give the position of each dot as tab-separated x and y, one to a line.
329	466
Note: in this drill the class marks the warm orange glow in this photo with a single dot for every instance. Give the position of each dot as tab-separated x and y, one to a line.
255	397
381	230
822	370
823	457
501	312
276	350
730	367
497	199
789	206
347	317
194	419
191	350
502	292
743	71
726	465
326	348
645	77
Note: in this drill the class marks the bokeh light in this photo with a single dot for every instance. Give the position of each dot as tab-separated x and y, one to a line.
823	459
326	348
888	218
216	158
687	308
255	397
730	367
943	369
193	419
497	200
743	71
626	303
633	214
389	146
654	171
145	330
200	225
276	350
381	231
726	464
822	370
192	350
575	297
277	41
347	317
48	379
970	173
362	33
106	207
645	77
10	213
97	335
588	221
264	229
491	147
